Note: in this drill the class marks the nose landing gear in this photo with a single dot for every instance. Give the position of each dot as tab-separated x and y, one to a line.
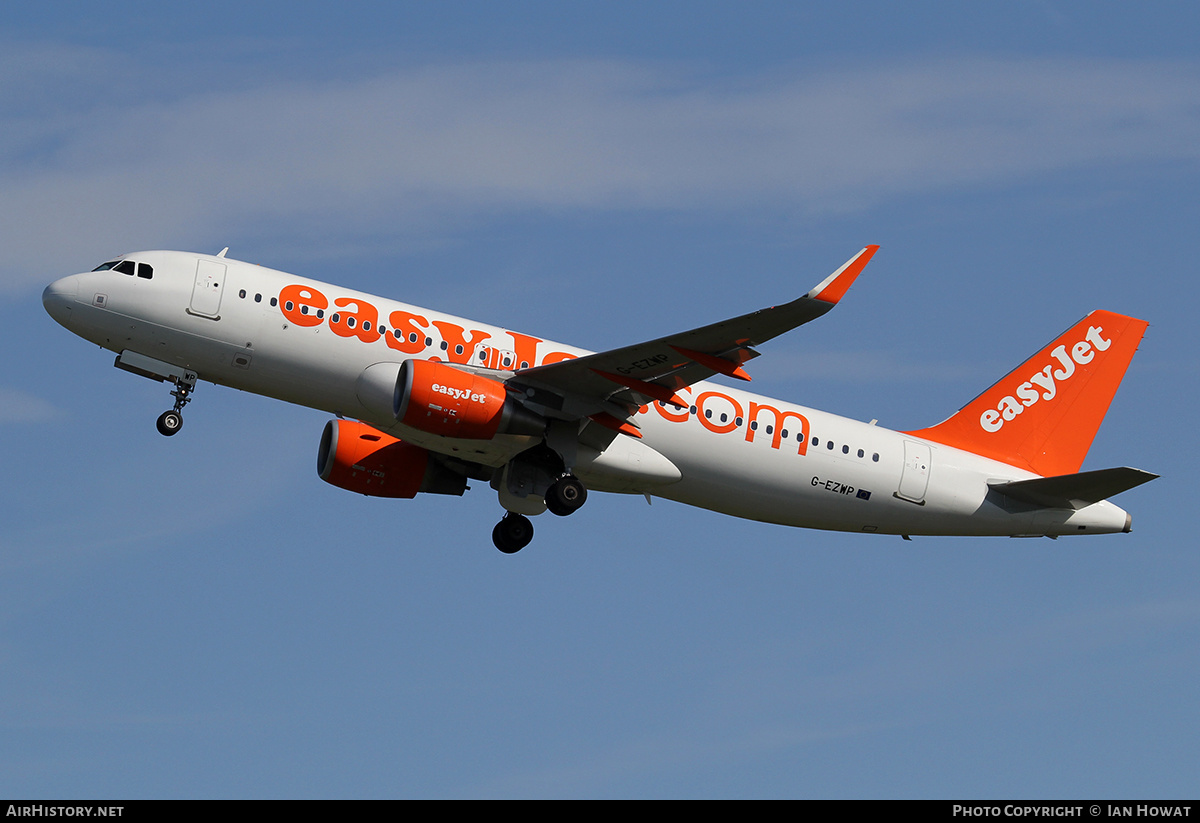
170	422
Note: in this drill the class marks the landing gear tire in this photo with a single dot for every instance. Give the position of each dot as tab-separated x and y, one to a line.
513	533
566	495
169	423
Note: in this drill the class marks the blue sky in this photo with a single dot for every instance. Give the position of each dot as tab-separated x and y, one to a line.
202	617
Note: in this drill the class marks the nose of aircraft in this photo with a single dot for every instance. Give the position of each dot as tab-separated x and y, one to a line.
59	296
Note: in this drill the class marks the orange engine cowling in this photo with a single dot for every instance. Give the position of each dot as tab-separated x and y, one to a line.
443	400
362	459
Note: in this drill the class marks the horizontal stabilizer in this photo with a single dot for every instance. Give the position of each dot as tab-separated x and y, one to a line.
1074	491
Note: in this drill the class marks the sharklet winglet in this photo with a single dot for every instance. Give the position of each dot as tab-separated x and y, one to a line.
833	287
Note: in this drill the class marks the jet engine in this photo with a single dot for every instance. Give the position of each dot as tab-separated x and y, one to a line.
443	400
362	459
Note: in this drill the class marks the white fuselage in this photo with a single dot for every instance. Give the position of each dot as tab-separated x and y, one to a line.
735	452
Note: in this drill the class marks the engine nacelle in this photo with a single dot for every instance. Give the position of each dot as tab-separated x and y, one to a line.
443	400
362	459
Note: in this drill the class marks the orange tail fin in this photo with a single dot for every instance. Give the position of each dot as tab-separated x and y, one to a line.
1045	413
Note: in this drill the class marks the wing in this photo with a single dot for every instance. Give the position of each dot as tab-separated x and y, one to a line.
609	386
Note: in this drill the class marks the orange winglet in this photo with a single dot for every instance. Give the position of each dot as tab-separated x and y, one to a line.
718	364
609	422
649	389
831	289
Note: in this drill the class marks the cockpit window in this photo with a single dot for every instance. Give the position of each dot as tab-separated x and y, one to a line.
142	270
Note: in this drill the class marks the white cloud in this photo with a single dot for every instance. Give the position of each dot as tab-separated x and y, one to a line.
19	407
83	175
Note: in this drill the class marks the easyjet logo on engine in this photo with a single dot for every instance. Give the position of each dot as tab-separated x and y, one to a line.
1045	384
458	394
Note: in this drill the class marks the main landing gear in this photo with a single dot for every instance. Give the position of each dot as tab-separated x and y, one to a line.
513	533
563	497
170	422
566	495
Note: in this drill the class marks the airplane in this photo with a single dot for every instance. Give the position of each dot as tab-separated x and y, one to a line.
425	402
